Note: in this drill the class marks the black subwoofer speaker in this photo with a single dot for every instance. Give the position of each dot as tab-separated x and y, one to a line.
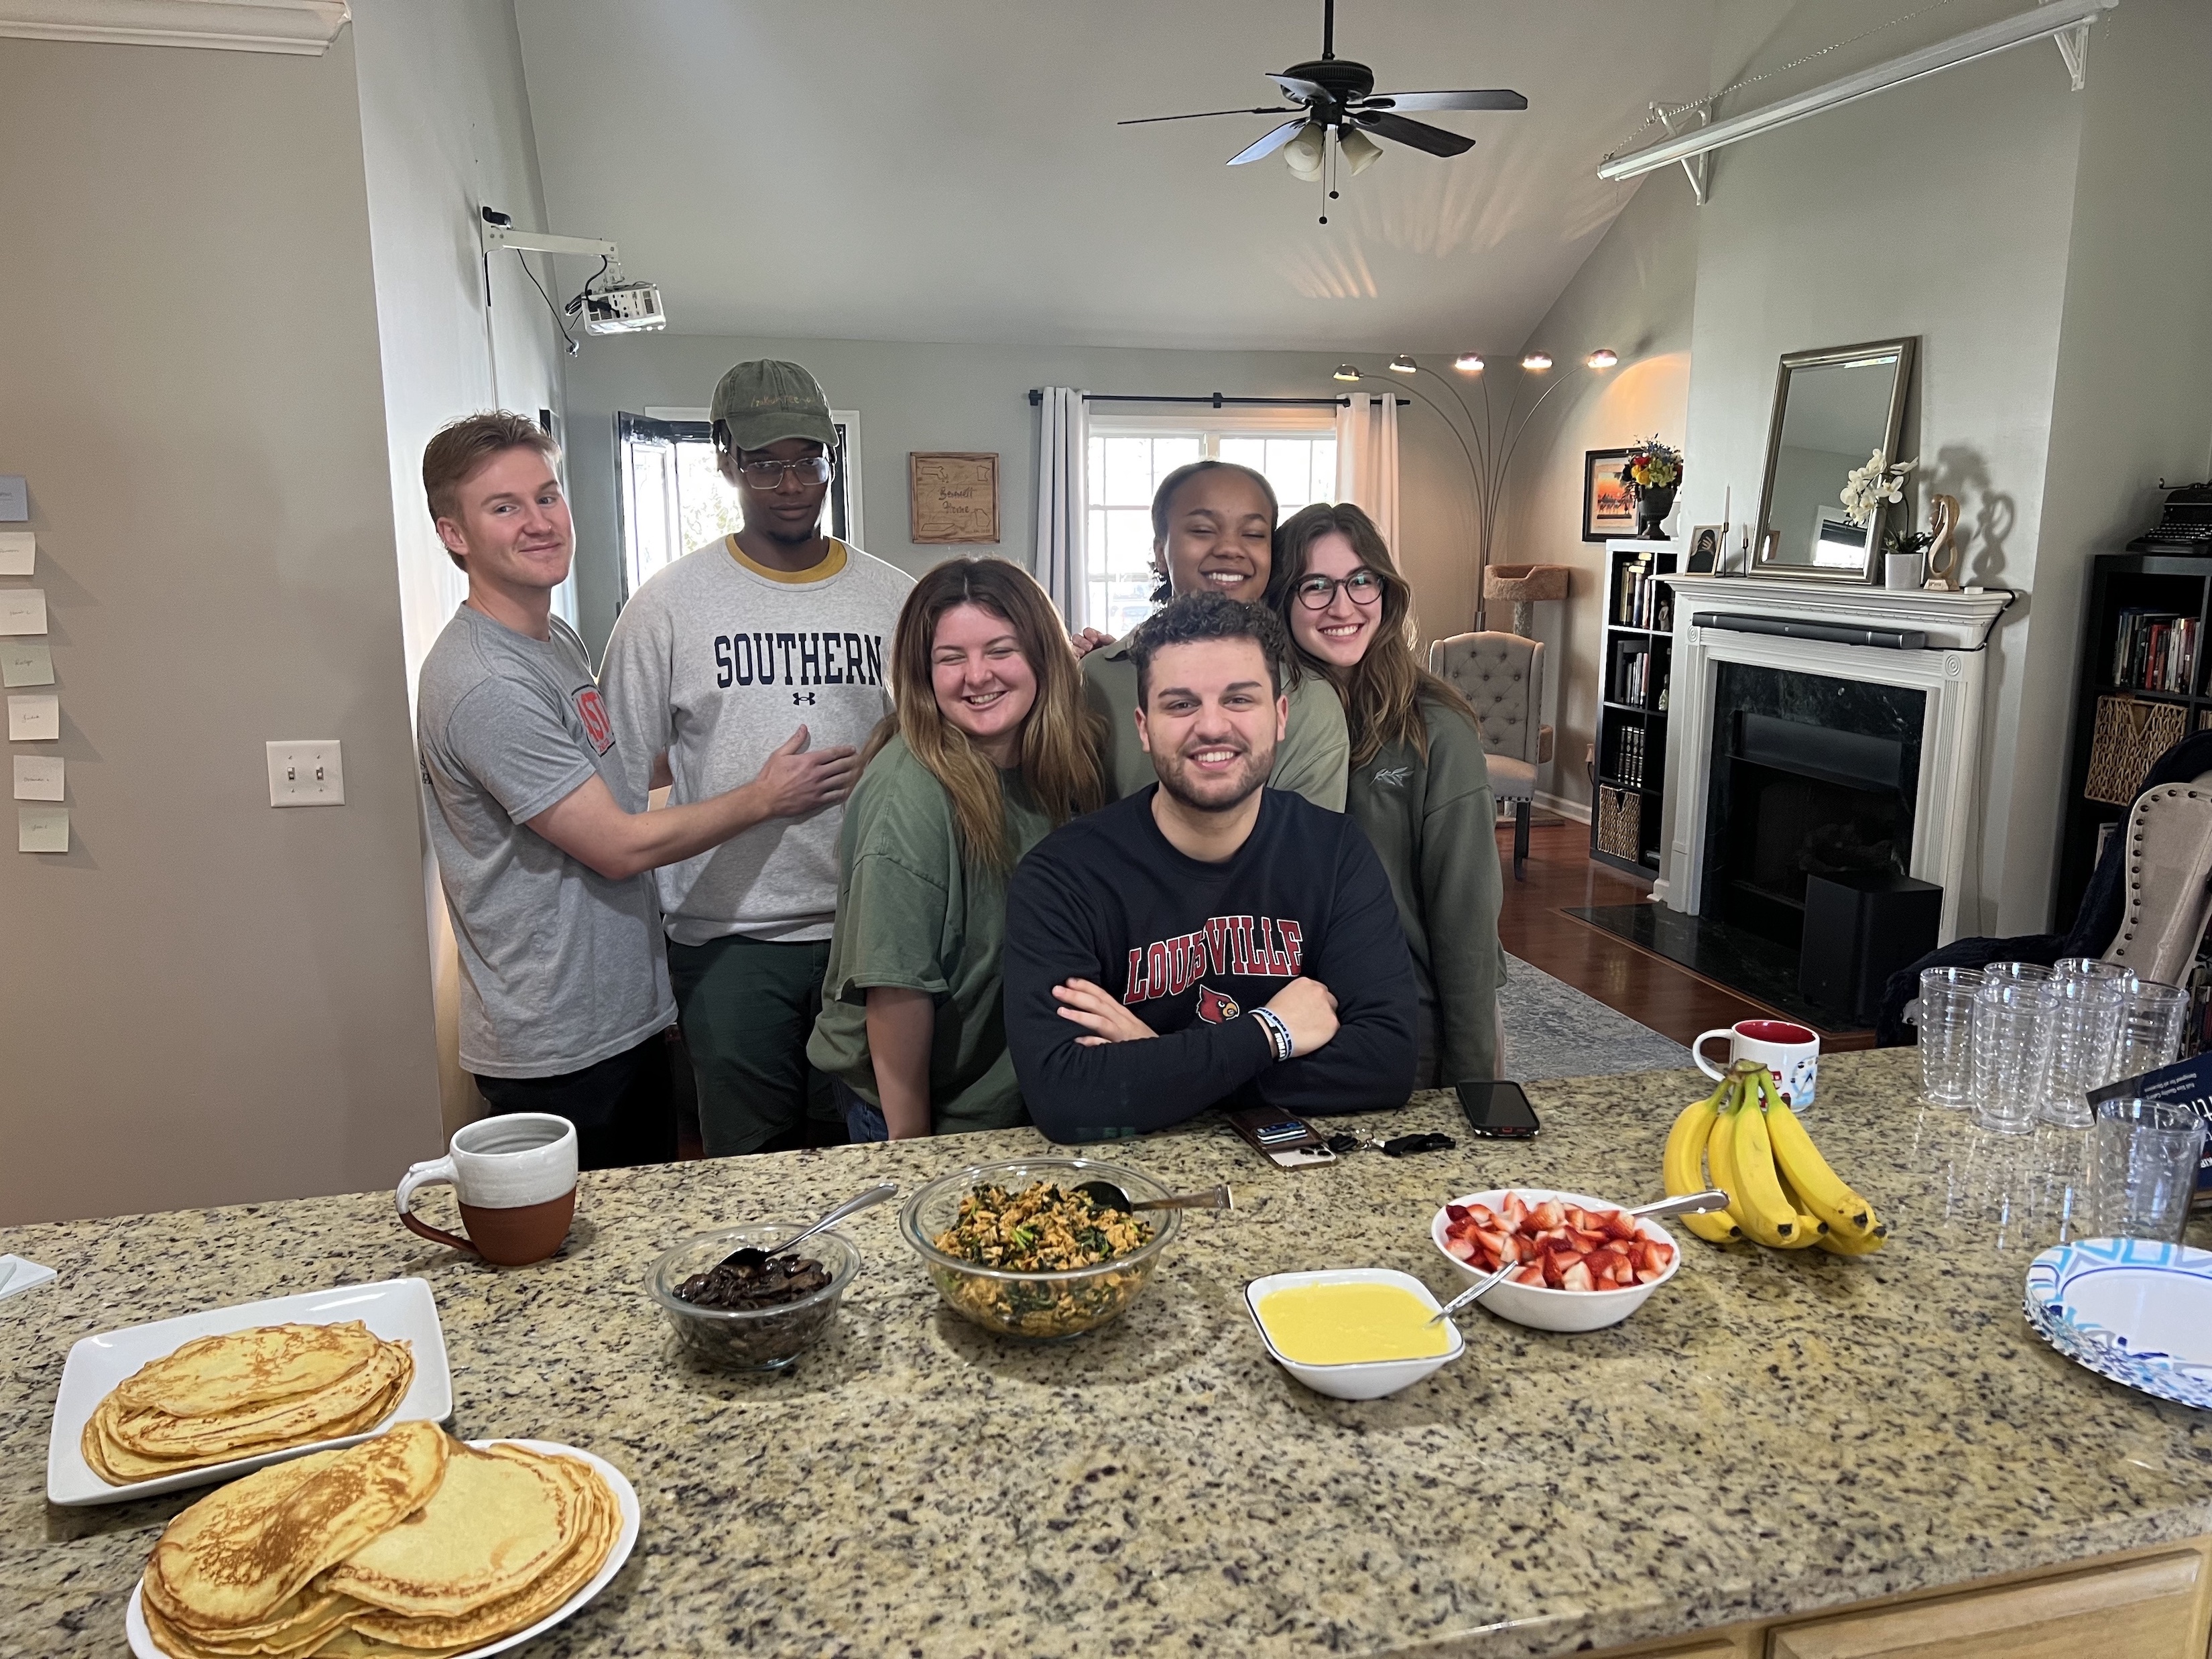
1859	930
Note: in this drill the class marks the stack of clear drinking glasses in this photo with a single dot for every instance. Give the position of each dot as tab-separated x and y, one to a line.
2016	1044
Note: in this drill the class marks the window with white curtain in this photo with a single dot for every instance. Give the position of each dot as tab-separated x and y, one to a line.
1294	449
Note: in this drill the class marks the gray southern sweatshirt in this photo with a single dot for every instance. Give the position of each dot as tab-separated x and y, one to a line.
718	660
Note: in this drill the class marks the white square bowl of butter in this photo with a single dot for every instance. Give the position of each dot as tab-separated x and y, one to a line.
1314	1323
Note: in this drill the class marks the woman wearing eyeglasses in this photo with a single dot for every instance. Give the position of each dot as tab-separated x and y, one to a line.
1418	784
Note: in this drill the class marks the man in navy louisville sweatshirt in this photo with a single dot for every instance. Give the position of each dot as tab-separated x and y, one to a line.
1208	941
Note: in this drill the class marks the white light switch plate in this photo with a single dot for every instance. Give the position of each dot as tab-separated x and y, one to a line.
307	772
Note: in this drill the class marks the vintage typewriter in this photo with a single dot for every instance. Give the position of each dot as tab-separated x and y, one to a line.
2185	526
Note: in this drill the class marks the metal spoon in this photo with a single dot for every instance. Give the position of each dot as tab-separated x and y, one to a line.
1689	1203
1105	1195
752	1257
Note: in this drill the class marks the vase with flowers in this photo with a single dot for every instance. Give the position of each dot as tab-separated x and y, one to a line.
1654	471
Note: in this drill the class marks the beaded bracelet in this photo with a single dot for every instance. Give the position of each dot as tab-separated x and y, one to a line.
1279	1033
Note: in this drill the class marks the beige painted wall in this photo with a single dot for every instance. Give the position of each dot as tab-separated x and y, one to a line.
206	999
976	397
1634	295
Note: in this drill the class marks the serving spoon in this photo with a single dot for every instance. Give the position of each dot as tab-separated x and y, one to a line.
751	1256
1689	1203
1105	1195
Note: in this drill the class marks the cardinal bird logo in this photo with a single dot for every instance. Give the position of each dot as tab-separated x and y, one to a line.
1214	1008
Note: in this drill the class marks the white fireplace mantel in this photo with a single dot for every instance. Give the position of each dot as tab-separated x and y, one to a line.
1951	671
298	27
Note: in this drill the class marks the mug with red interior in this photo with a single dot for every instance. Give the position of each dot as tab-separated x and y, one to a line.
515	1177
1790	1051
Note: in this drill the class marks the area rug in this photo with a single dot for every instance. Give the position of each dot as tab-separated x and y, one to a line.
1551	1029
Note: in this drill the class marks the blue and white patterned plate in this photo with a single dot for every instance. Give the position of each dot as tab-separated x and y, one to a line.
2134	1310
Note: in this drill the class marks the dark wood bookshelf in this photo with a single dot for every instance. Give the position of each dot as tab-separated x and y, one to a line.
2181	583
1624	721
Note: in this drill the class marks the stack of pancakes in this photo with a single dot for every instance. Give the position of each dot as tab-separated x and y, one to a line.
411	1544
245	1393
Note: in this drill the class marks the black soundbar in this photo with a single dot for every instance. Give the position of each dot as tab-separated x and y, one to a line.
1892	639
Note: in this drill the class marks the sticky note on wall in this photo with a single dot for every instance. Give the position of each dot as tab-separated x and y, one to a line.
18	552
22	610
34	718
26	662
42	829
38	777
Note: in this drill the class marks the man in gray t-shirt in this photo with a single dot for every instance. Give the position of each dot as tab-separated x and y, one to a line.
565	994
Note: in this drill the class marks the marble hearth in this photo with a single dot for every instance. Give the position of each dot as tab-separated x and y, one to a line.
1949	674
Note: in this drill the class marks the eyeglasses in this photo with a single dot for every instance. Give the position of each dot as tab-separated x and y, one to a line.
1319	592
770	474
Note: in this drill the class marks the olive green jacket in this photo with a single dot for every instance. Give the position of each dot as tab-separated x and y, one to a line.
1310	760
1433	824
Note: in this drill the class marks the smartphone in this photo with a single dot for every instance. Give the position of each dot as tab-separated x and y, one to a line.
1499	1110
1285	1141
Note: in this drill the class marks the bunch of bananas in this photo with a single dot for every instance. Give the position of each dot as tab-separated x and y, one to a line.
1781	1191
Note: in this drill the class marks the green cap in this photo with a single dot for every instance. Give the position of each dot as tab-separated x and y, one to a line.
766	400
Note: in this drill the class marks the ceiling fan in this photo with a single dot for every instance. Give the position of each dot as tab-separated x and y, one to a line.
1332	95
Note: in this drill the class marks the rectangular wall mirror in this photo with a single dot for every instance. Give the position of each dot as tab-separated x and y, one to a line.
1833	411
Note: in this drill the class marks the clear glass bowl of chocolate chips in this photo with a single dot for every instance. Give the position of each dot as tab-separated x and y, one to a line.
759	1316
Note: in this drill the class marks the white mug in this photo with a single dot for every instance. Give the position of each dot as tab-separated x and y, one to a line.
515	1177
1790	1051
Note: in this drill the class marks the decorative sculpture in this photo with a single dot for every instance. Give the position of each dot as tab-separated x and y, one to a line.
1944	552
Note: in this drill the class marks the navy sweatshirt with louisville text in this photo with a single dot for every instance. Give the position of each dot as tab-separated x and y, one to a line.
1191	948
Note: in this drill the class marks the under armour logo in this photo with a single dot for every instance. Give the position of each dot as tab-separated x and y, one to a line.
795	696
1392	777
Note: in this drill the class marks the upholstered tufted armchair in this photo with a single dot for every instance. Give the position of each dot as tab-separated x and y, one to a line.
1503	676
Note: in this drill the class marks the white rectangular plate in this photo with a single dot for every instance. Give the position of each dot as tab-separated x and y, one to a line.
397	1309
142	1639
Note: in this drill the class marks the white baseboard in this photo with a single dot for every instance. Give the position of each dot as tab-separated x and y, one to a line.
1578	810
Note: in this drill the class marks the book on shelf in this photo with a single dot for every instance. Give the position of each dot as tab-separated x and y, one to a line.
1643	600
1628	756
2154	650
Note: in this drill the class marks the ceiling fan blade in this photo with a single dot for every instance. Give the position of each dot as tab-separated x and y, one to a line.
1268	145
1201	115
1306	92
1489	98
1419	134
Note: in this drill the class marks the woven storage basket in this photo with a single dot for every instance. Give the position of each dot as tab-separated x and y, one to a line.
1620	823
2130	734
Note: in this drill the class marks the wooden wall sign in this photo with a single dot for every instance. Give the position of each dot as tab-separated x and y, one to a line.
954	498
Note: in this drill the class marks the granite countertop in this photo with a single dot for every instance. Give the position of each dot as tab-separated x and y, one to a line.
1773	1433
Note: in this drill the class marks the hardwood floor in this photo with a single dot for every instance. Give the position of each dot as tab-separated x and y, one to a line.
1657	993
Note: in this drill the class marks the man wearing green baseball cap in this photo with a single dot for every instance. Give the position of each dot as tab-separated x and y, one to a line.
760	660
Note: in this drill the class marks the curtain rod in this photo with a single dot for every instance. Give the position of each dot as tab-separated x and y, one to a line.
1216	399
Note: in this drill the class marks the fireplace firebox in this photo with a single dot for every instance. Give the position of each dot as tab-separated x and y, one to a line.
1810	776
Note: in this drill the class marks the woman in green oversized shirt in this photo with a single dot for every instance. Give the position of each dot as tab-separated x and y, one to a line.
1418	781
990	750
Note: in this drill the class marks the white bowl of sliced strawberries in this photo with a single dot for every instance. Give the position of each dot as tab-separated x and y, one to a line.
1588	1263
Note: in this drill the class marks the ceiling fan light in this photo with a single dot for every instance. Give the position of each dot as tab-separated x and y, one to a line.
1603	357
1468	362
1360	151
1348	373
1402	364
1537	361
1302	155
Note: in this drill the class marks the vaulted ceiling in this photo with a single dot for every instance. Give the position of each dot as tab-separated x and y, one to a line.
951	171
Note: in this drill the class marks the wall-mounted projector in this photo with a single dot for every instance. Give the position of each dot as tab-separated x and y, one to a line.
607	304
623	308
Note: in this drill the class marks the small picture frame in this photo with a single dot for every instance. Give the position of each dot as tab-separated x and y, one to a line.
1608	505
953	498
1708	546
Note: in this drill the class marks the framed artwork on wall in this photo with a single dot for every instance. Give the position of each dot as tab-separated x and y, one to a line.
1608	505
955	498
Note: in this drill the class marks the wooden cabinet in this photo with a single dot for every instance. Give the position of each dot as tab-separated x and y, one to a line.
2143	1610
2153	1603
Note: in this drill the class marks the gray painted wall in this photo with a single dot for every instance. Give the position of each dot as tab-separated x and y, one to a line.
206	999
976	397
